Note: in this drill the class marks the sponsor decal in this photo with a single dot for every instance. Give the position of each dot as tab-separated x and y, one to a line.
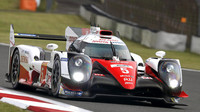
120	65
105	41
72	38
64	59
102	75
143	77
29	35
125	76
119	62
128	82
73	93
24	59
128	79
119	43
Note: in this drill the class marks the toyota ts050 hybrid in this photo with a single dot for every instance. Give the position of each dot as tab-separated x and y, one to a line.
95	63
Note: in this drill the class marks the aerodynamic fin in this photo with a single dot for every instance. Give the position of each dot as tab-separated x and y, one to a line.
73	33
12	38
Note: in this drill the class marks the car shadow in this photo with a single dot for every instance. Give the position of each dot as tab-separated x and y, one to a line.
98	99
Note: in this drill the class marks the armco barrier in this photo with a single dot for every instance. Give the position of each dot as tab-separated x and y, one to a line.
136	35
105	22
157	40
121	28
128	32
195	45
170	41
147	38
85	13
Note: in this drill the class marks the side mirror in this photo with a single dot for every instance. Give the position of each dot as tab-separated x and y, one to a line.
160	54
52	46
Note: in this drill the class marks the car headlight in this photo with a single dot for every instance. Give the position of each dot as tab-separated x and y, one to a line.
80	68
173	83
78	62
78	76
170	68
170	73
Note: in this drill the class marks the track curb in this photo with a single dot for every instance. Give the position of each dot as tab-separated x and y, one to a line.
35	103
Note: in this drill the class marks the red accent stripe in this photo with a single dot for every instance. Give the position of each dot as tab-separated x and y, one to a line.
12	43
150	72
21	97
85	31
42	109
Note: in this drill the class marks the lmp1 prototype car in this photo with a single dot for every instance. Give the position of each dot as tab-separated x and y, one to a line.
95	63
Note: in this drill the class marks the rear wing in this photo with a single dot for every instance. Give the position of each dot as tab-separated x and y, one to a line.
71	34
14	35
40	36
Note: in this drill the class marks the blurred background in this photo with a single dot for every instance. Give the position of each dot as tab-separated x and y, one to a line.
146	25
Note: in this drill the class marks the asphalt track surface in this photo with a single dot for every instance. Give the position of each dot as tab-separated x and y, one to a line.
191	85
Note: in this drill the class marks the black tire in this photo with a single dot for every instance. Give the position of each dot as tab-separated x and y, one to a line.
56	77
15	69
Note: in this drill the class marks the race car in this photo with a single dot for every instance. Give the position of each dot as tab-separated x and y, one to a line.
94	63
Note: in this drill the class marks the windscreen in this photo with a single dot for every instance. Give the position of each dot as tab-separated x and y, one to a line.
104	51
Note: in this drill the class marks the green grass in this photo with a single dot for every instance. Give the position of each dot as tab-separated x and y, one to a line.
4	107
9	4
40	23
47	23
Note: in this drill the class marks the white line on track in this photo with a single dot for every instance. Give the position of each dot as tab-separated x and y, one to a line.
190	70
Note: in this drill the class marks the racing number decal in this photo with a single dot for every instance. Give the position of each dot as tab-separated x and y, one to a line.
24	59
124	70
43	73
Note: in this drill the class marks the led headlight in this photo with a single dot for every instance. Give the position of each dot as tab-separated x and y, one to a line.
170	68
78	62
173	83
78	76
80	68
170	73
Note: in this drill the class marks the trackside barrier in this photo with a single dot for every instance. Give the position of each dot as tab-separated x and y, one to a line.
170	41
158	40
147	38
85	13
30	5
136	35
121	28
195	45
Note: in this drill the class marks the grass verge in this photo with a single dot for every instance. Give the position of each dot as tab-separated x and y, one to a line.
47	23
9	4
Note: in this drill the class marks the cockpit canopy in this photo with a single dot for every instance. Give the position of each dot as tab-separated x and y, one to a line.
101	51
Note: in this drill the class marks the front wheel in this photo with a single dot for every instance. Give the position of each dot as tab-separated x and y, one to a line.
56	77
15	69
